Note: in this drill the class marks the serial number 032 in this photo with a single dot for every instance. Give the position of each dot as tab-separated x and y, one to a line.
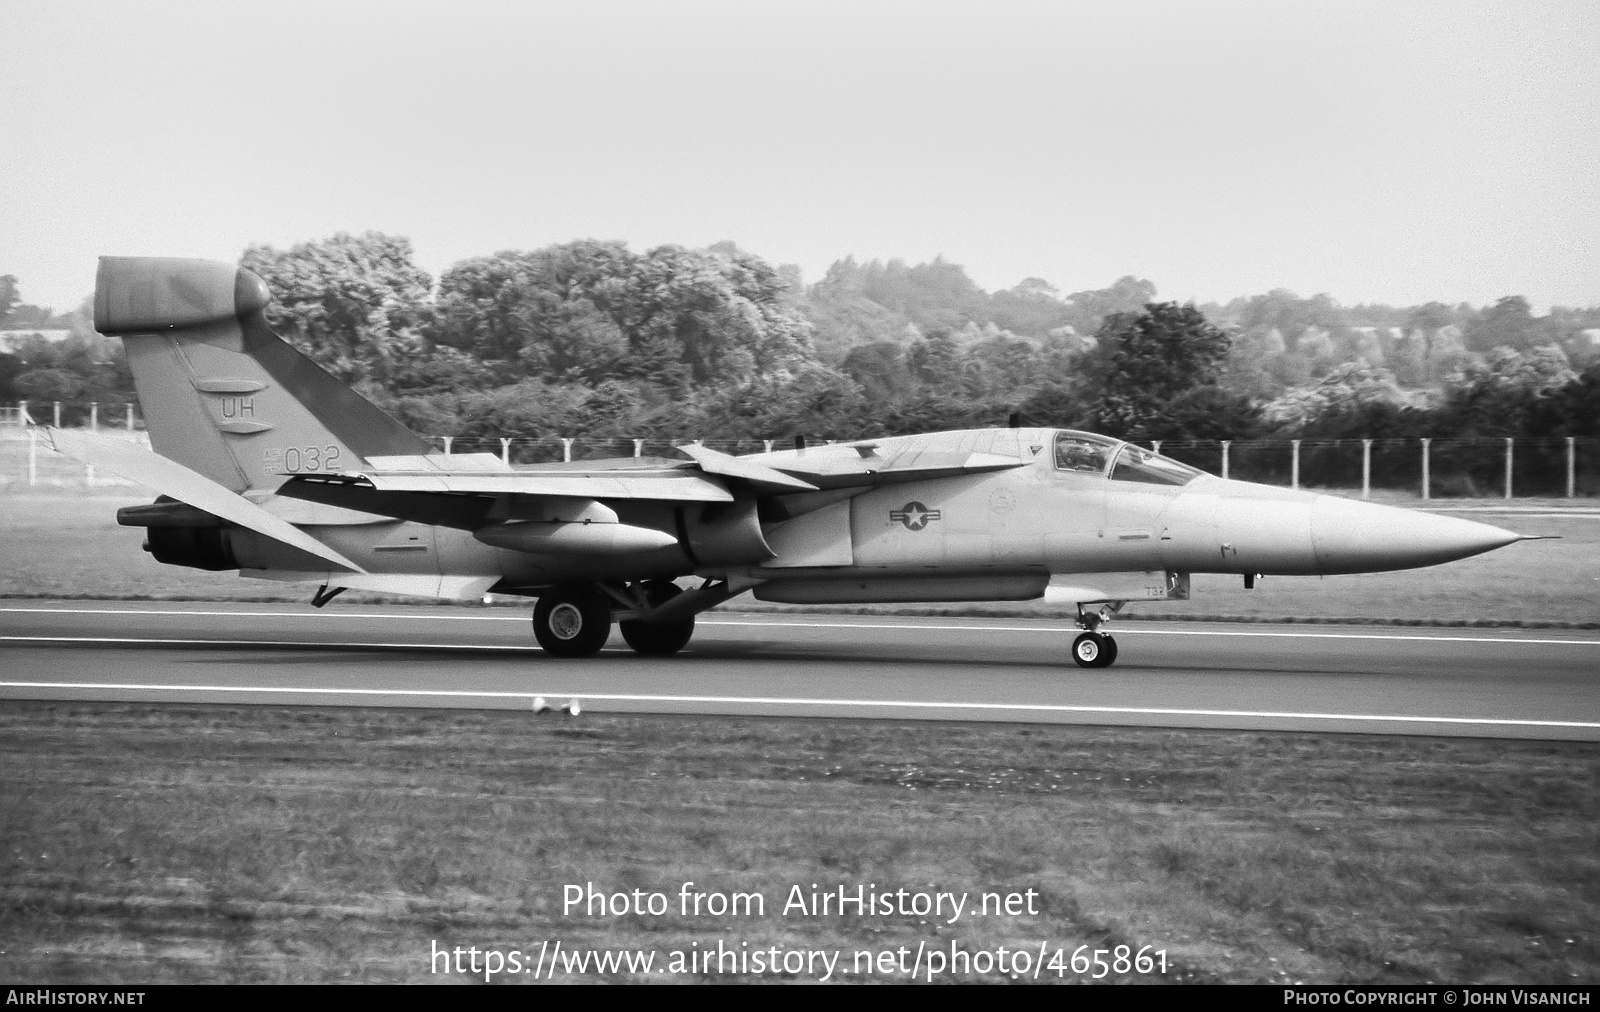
301	458
1097	963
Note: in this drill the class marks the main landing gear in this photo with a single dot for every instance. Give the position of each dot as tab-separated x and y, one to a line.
658	639
574	620
1095	649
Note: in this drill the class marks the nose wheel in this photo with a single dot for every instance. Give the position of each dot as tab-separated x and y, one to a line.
1094	650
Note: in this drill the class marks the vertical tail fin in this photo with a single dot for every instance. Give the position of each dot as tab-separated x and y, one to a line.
221	393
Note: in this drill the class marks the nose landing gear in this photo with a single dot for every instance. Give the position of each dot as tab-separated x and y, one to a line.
1093	648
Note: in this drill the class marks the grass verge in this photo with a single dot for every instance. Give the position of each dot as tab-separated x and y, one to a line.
240	844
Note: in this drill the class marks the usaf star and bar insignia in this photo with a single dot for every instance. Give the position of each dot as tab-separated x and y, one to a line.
914	515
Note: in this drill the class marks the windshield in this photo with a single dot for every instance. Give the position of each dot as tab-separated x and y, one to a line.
1080	451
1134	464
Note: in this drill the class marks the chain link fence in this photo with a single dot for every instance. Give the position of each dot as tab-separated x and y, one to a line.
553	449
1436	468
1428	468
63	414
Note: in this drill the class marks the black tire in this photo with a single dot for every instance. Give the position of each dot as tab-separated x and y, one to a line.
1092	650
658	639
572	621
1109	657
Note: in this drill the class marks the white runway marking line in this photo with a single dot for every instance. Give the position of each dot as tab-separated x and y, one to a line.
801	701
805	624
304	644
1127	630
262	614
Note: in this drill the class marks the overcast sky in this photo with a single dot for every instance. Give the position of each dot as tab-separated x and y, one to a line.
1392	152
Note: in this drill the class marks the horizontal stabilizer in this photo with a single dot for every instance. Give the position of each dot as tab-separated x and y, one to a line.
173	479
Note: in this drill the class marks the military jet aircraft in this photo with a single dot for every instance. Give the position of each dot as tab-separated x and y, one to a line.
267	464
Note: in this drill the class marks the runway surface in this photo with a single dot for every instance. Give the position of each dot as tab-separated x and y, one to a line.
1499	683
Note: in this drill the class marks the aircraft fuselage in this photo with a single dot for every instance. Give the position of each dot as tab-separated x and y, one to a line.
995	535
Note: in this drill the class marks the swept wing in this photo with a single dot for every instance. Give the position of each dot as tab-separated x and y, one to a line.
869	465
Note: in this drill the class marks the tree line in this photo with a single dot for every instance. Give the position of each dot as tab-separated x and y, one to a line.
596	340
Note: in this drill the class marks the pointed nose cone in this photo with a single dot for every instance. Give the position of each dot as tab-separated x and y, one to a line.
1359	537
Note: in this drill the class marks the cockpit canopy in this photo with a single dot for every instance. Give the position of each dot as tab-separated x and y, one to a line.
1088	453
1083	451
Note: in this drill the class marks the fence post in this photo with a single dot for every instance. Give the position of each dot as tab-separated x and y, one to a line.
638	447
447	441
1155	444
58	414
1508	466
767	443
1572	467
94	416
23	418
566	448
130	416
1366	469
1294	464
505	451
1225	443
1425	443
33	456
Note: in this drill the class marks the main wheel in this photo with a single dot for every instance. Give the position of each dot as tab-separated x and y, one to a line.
1094	650
572	621
658	639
